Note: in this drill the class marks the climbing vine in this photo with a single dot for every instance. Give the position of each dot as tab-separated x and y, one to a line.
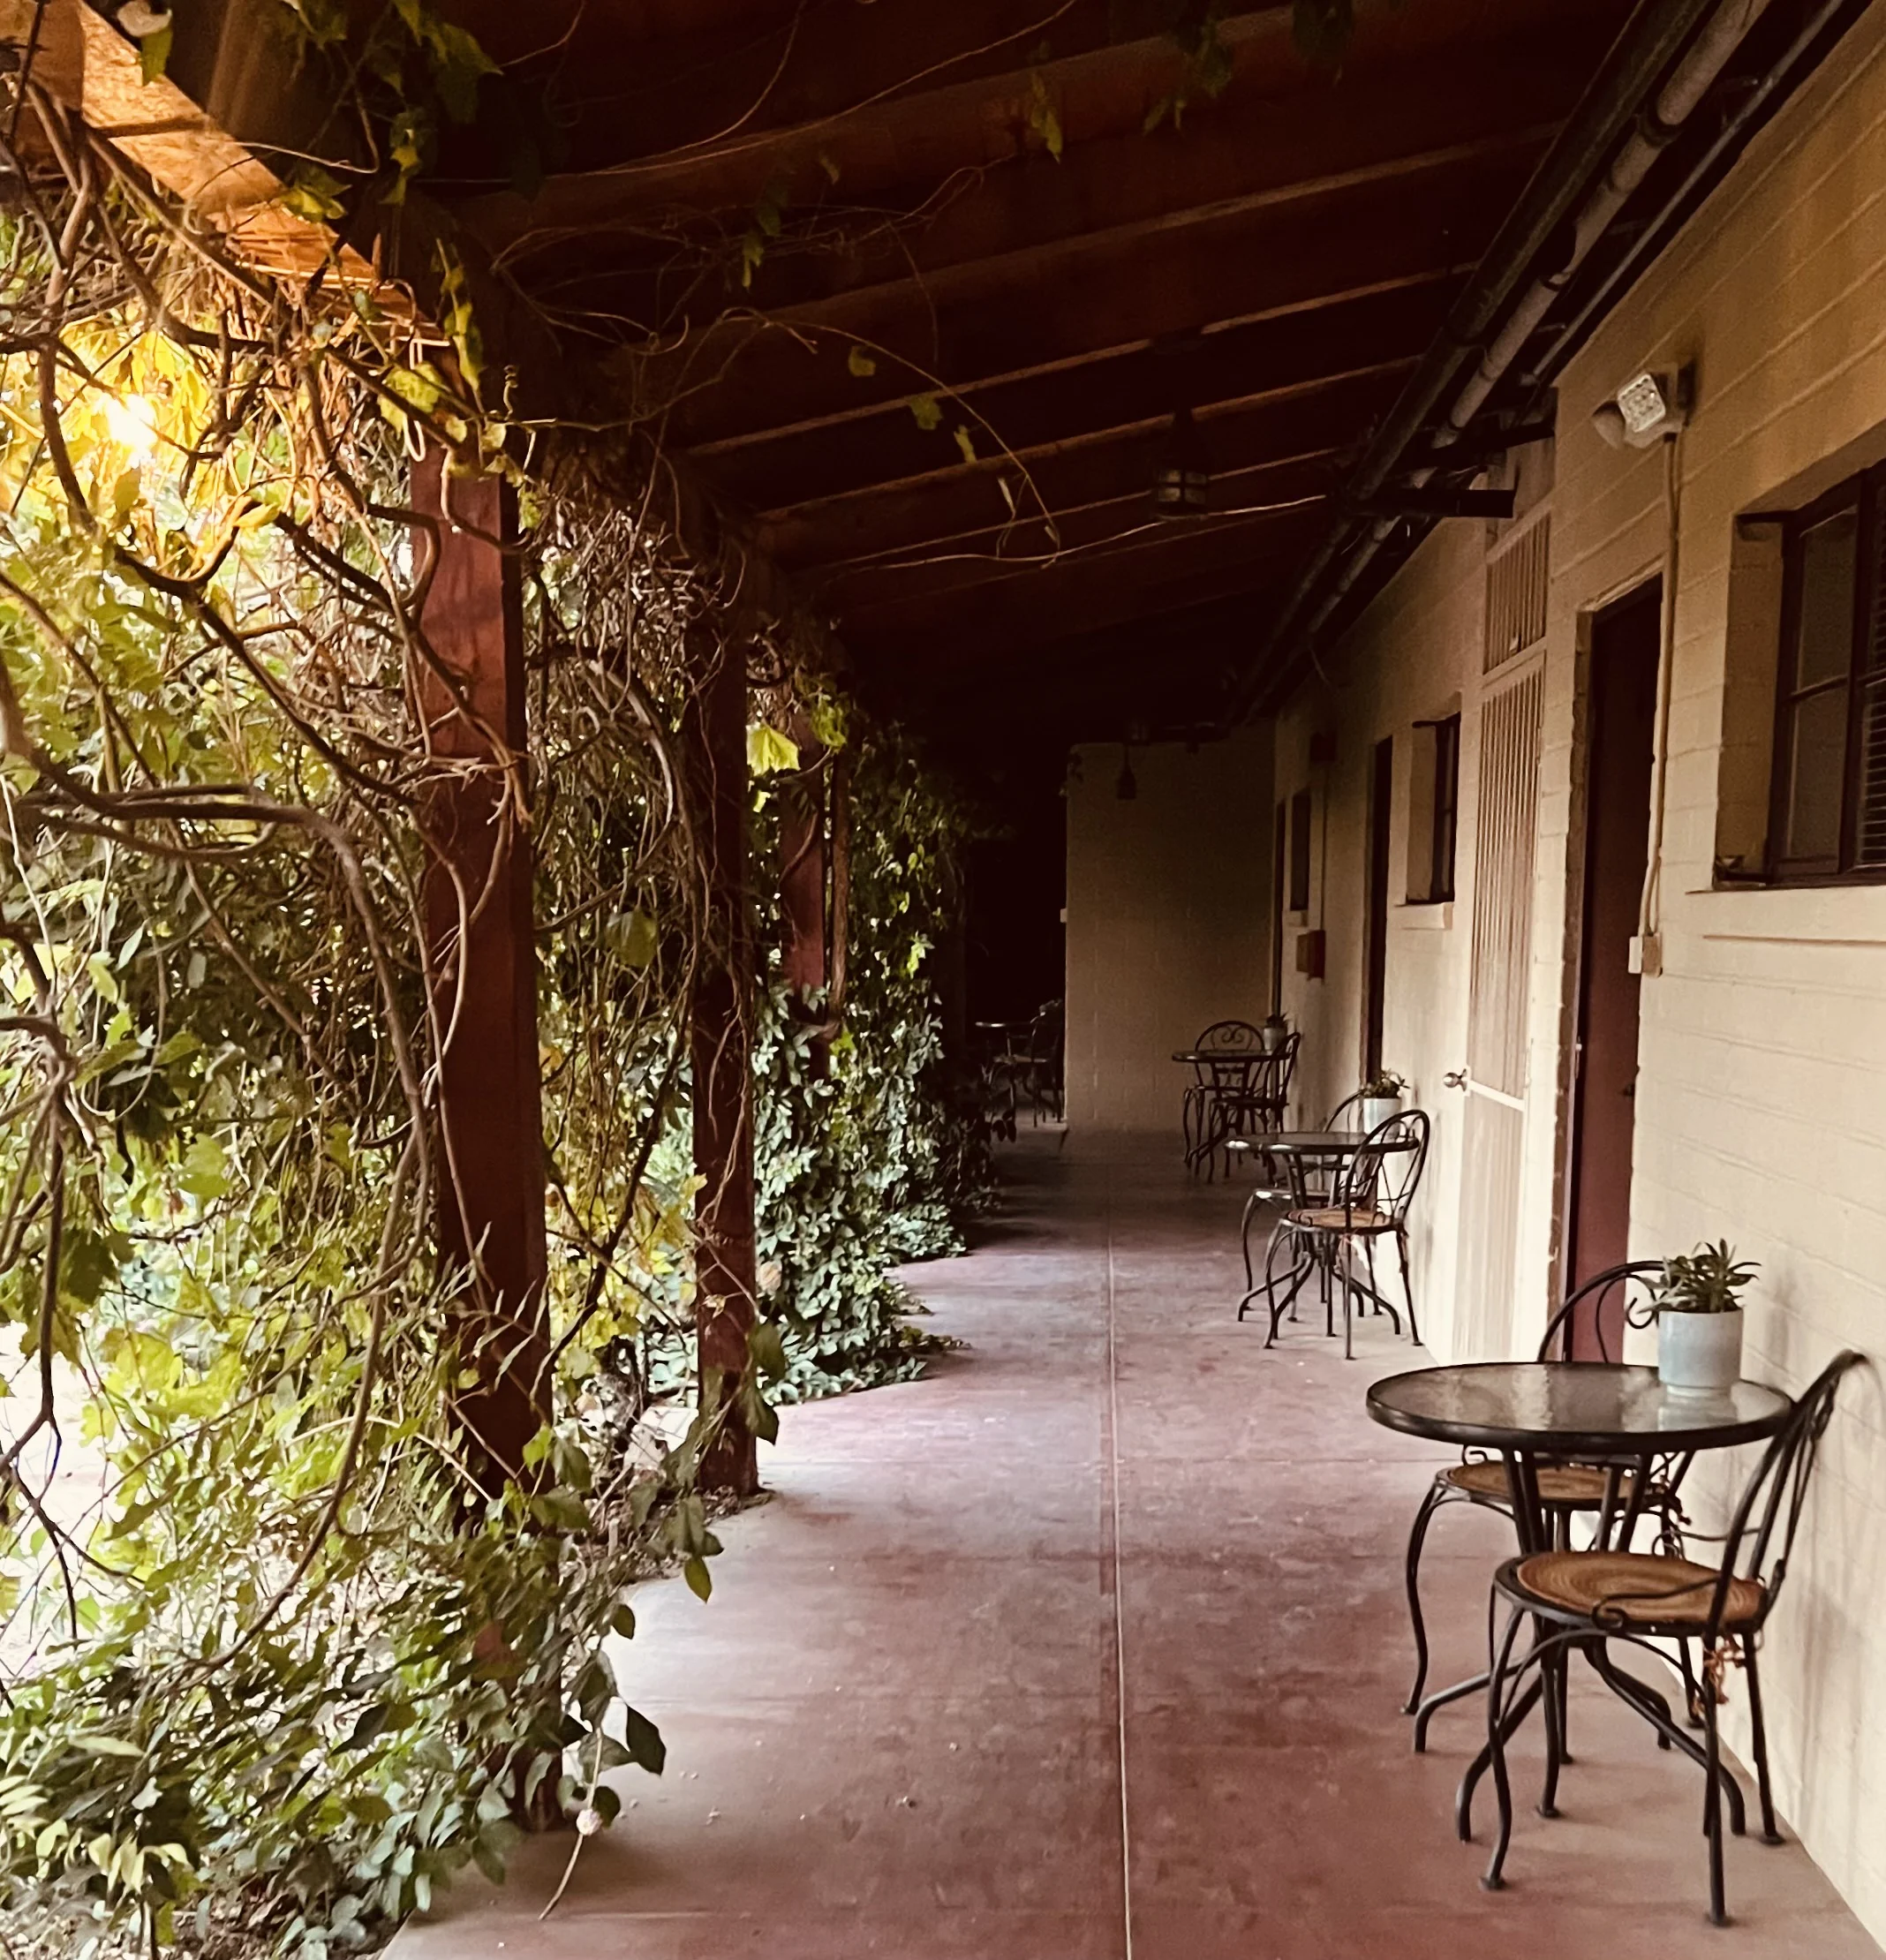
281	1654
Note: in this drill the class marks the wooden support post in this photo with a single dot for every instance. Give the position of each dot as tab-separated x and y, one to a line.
802	885
483	964
714	732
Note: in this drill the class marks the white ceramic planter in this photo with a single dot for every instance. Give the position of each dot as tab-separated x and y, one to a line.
1698	1350
1377	1109
1271	1035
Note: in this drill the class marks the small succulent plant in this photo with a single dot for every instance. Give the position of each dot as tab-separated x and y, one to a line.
1709	1280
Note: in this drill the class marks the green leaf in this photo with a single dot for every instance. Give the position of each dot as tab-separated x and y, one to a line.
700	1580
768	750
204	1172
768	1349
645	1745
860	363
928	411
966	442
153	54
314	194
630	937
622	1622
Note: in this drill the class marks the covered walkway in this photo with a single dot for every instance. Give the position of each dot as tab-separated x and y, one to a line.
1091	1645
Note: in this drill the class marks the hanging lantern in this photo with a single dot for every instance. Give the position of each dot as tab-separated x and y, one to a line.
1182	485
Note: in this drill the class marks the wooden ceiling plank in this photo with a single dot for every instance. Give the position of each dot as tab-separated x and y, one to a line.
710	128
1034	414
1178	282
1380	125
1079	597
1236	492
1095	537
878	522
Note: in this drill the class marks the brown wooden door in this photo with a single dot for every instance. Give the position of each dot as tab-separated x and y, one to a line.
1622	732
1381	793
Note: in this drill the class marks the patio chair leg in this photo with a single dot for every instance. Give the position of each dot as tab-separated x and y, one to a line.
1417	1538
1712	1813
1692	1692
1758	1725
1408	1285
1244	1235
1553	1673
1496	1716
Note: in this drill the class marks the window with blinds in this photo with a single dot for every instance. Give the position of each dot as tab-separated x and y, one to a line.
1829	815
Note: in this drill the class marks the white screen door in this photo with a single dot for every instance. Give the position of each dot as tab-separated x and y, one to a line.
1494	1134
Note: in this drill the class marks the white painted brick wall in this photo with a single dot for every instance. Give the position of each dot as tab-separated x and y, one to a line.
1168	919
1761	1103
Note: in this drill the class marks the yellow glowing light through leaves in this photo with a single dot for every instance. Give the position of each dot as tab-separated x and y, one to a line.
132	422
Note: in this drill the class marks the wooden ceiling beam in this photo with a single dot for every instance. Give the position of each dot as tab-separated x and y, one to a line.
1387	120
944	565
1087	593
1100	536
1184	282
905	517
775	473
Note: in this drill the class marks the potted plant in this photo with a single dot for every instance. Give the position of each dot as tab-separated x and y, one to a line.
1382	1095
1273	1032
1699	1317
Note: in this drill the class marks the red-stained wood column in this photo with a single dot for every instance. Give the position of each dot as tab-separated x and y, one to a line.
713	735
483	961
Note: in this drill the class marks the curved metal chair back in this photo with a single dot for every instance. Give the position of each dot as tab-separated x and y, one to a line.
1385	1173
1348	1105
1044	1032
1611	1289
1235	1038
1761	1535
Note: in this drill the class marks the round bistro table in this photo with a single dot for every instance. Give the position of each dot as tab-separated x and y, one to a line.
1532	1412
1301	1152
1216	1073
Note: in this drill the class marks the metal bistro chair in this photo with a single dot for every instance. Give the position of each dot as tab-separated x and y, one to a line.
1369	1199
1602	1302
1275	1188
1244	1111
1042	1064
1234	1047
1589	1599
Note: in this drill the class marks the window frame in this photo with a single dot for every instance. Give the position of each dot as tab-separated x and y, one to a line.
1302	818
1444	842
1863	494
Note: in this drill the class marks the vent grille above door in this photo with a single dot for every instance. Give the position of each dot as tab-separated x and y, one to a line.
1516	592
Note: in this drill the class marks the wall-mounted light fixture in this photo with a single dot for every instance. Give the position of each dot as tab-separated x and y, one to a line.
1648	407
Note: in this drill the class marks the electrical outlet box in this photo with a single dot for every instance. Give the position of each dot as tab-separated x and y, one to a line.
1646	956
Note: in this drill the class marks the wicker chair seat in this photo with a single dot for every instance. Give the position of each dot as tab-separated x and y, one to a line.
1336	1217
1636	1589
1580	1486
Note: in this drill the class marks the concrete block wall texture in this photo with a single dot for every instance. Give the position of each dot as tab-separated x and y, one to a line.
1761	1109
1168	918
1415	656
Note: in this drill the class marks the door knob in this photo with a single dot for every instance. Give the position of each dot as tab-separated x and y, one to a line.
1455	1078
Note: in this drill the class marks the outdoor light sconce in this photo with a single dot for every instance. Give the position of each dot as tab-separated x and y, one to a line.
1648	407
1182	485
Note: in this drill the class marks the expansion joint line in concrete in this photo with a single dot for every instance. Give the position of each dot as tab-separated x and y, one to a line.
1117	1576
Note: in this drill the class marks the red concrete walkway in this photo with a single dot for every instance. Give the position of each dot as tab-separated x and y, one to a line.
897	1727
